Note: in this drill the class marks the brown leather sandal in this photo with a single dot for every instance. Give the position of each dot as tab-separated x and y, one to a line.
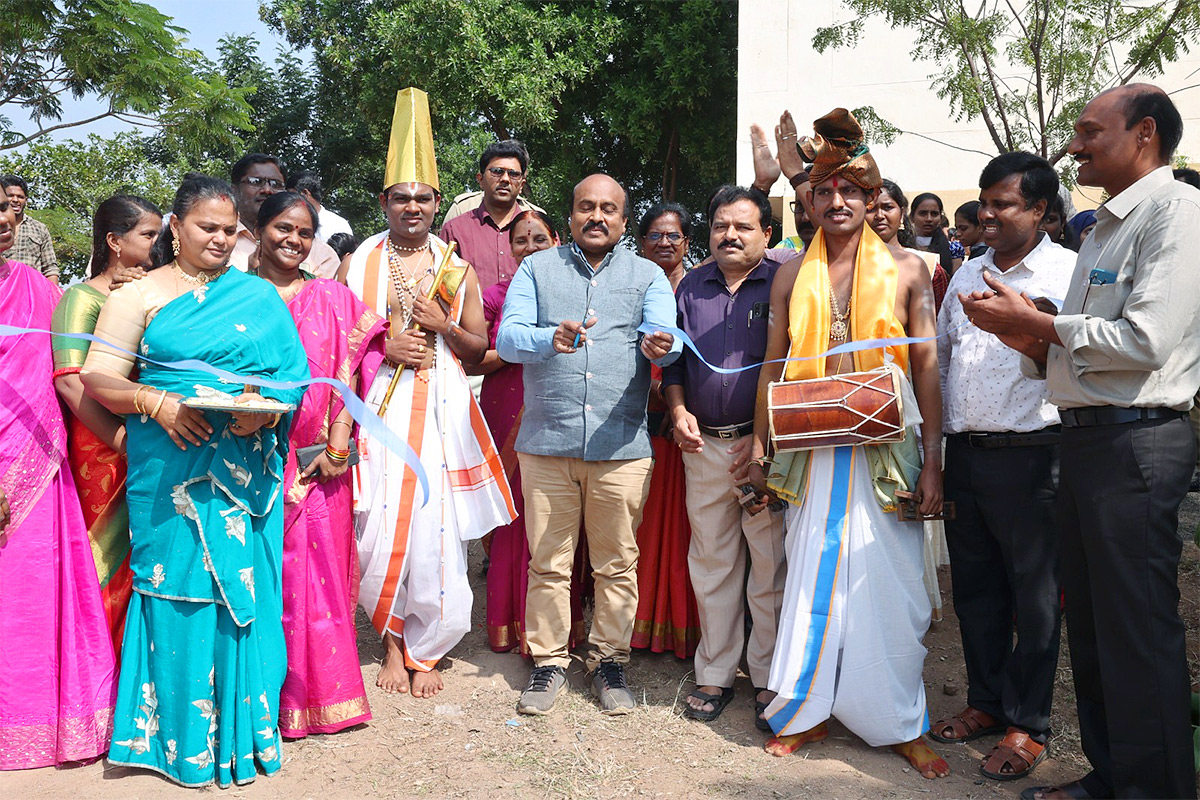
1014	757
968	724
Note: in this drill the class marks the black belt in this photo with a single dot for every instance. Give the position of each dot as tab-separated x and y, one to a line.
989	441
728	431
1110	415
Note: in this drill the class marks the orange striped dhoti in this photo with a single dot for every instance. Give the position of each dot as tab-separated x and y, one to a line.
413	556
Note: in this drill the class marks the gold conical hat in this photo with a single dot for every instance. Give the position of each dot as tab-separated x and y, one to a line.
410	150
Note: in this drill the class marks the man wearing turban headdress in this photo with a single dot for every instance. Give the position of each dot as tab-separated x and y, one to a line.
855	608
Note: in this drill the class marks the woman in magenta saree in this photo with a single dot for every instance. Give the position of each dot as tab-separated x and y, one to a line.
56	658
323	691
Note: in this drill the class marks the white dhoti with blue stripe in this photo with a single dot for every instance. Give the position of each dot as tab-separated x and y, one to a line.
854	611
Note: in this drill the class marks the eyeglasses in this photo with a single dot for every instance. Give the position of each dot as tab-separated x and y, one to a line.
257	182
673	238
500	172
794	206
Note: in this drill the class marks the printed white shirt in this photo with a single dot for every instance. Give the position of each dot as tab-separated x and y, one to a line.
983	389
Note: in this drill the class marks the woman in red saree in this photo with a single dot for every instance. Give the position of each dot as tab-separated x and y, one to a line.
502	399
323	691
666	618
124	229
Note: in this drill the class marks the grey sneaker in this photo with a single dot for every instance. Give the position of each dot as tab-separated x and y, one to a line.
545	685
610	688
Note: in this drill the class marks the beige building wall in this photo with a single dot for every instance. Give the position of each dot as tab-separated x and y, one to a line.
778	69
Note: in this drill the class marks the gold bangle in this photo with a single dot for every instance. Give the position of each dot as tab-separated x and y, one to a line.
341	422
275	421
137	404
158	405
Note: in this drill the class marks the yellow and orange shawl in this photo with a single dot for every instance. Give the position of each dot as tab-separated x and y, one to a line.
872	316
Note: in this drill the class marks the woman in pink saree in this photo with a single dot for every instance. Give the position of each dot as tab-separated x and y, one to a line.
323	691
56	657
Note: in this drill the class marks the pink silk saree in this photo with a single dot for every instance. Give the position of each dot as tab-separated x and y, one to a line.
323	691
56	657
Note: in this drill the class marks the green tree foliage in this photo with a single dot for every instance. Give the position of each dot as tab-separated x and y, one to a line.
643	91
1027	69
125	53
67	180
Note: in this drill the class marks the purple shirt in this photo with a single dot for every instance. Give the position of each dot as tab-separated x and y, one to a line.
482	244
730	331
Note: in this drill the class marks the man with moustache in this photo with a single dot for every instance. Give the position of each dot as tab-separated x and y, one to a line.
412	549
1001	472
855	607
571	317
1122	362
255	177
723	307
33	244
482	233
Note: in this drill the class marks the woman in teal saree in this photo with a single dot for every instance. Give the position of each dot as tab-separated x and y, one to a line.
203	657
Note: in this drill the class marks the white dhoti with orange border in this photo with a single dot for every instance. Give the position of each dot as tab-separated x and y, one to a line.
413	554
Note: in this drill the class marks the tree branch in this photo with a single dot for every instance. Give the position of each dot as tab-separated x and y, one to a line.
1153	47
43	131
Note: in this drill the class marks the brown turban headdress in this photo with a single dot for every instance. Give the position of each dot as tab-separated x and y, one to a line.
837	147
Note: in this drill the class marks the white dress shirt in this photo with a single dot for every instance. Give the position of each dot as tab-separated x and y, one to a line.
983	389
330	222
1130	326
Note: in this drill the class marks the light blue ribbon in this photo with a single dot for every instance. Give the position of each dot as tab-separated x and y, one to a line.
848	347
365	417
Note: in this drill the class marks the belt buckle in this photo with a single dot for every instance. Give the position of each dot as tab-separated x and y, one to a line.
727	434
977	440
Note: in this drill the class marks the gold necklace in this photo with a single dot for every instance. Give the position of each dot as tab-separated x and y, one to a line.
202	278
403	280
839	329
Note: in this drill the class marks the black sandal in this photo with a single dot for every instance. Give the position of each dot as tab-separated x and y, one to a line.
717	701
760	708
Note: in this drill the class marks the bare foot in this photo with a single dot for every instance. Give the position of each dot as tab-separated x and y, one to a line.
786	745
393	677
426	684
923	759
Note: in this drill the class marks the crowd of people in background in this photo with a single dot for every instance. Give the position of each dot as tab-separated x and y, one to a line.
183	553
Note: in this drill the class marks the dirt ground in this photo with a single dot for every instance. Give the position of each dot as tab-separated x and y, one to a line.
469	742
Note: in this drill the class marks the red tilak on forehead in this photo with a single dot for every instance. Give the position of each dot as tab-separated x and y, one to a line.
835	183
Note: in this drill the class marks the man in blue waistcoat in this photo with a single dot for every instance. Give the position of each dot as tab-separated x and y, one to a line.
571	317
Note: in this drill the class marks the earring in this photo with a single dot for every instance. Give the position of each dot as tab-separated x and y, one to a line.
118	251
175	247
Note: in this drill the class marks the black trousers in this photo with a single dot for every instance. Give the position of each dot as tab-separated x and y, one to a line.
1004	564
1119	516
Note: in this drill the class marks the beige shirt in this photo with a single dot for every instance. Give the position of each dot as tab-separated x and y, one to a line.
322	261
1130	324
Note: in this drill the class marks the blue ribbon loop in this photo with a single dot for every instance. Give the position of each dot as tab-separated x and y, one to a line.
848	347
365	417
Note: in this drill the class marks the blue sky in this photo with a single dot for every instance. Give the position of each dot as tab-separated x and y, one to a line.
206	22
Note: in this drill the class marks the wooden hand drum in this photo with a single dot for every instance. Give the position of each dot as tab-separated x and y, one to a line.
851	409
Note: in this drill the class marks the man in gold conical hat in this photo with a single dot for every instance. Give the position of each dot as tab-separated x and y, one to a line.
412	550
855	608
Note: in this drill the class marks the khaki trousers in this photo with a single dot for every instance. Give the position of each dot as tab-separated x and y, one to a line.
609	497
721	536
